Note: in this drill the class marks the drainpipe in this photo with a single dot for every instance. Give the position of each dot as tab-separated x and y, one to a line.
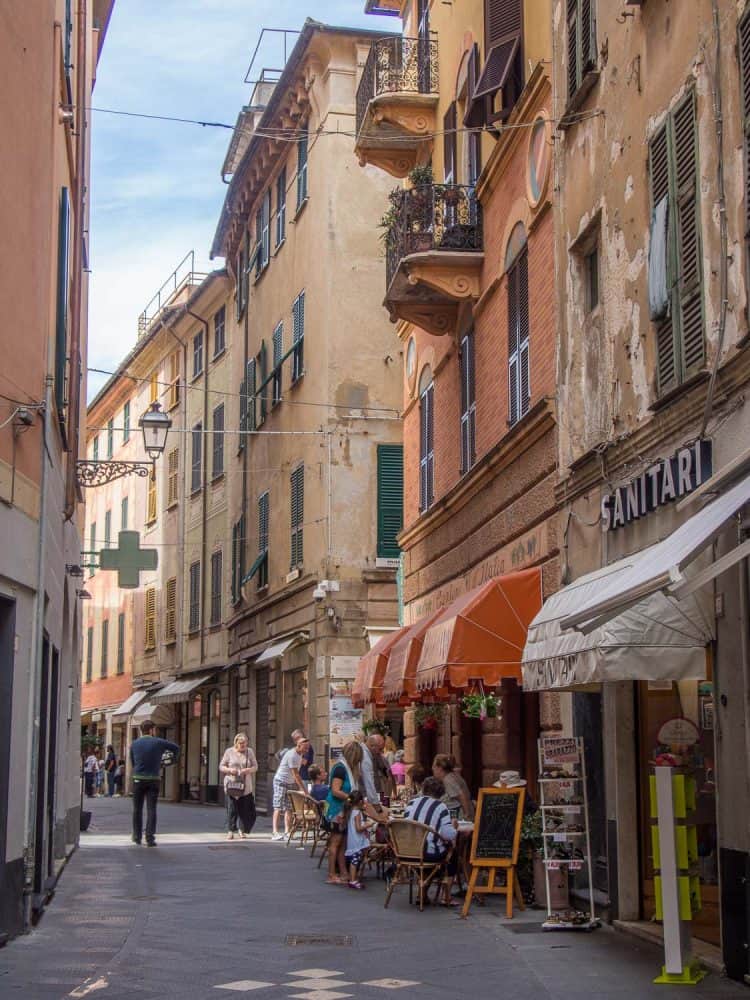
74	406
744	595
37	639
204	489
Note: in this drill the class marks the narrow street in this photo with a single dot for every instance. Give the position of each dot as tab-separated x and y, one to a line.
198	914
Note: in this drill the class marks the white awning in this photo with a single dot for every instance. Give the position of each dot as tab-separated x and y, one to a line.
661	566
277	649
160	715
131	702
177	691
659	638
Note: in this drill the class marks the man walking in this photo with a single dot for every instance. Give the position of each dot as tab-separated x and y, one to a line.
370	780
145	756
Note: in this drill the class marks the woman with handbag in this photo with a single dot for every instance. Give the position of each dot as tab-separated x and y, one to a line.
344	778
238	765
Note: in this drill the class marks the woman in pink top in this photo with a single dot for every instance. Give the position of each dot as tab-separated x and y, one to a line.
398	768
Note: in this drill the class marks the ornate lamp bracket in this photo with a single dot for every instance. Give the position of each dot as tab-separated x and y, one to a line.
96	473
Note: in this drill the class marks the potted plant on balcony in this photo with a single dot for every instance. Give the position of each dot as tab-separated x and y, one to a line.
428	716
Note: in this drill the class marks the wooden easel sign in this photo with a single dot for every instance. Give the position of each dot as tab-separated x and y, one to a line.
494	844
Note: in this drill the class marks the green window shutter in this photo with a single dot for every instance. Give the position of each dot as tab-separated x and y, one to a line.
251	383
688	236
263	539
297	491
126	423
743	32
121	643
390	499
243	413
235	588
89	653
63	280
659	172
105	648
263	363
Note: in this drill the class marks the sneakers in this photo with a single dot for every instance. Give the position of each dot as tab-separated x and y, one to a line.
243	835
151	843
136	840
277	836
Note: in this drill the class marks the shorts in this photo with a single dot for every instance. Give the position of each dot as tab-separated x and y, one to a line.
281	796
355	858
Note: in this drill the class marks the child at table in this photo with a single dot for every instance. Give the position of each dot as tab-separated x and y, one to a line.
358	828
318	787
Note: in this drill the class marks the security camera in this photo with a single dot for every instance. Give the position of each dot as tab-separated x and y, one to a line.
319	593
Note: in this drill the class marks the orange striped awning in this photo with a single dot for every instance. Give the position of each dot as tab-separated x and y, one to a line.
399	684
481	635
368	682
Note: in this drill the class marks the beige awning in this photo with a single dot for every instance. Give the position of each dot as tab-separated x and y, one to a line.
277	649
658	639
121	713
160	715
179	691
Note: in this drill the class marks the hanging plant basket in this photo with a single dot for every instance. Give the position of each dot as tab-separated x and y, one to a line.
478	705
428	717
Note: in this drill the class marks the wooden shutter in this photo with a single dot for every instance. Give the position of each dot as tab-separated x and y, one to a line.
89	653
475	109
63	280
217	465
513	344
173	483
449	144
195	597
302	142
263	539
573	74
105	647
426	445
251	388
502	19
666	362
174	380
298	335
235	564
688	236
197	455
390	499
120	667
263	364
151	503
297	483
216	567
524	374
149	638
277	342
468	403
245	403
170	610
743	32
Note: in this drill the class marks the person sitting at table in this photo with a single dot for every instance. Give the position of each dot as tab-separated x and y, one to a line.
427	808
318	788
457	794
415	776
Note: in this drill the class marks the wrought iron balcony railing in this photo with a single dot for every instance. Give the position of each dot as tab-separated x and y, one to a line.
432	217
397	66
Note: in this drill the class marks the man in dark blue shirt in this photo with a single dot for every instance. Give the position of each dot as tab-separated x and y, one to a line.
145	758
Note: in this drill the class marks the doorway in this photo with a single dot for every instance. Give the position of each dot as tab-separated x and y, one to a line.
261	736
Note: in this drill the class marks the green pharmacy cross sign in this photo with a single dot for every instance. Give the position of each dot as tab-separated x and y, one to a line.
129	559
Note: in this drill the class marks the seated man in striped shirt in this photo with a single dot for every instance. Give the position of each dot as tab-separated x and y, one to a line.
428	809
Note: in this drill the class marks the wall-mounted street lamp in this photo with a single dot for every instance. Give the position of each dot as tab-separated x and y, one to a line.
155	426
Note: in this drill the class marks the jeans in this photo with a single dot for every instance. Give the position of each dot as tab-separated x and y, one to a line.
89	779
111	782
147	791
242	808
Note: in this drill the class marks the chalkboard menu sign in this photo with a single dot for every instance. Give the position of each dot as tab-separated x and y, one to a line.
497	827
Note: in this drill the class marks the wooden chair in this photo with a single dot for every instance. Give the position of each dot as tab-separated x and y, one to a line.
305	818
408	840
320	834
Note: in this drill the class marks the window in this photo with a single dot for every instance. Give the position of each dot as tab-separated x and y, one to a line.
151	498
263	375
89	654
238	558
108	529
63	281
281	207
120	668
110	437
744	51
244	403
105	648
198	354
250	382
297	489
126	423
302	142
124	514
426	442
450	124
519	388
390	499
591	276
468	403
173	480
278	334
95	449
170	610
216	588
581	42
174	380
197	458
217	467
149	619
263	540
501	80
154	387
219	331
92	547
298	338
675	272
263	234
194	619
241	280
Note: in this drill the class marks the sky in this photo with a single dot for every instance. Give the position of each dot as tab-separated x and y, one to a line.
156	186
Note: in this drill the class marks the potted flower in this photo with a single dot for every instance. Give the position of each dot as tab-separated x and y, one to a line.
428	716
480	706
376	726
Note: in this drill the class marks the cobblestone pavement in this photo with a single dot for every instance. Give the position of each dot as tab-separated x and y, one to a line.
199	918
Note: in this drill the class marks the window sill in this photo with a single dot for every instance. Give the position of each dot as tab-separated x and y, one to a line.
260	274
300	208
171	506
196	492
589	81
193	633
219	354
196	375
679	390
276	403
171	641
217	478
296	381
279	246
214	627
151	523
149	649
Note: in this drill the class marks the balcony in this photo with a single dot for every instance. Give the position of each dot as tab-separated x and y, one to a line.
434	255
396	104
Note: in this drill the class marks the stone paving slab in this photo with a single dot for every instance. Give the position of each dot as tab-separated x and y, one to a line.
198	918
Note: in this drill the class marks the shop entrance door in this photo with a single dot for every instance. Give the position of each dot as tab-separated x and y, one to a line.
587	723
261	737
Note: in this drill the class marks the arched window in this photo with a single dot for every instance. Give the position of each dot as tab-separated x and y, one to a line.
426	439
519	369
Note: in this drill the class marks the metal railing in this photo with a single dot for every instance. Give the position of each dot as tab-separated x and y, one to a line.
397	66
432	217
183	275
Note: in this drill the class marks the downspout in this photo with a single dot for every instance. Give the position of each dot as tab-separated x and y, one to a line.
744	595
74	406
37	639
204	485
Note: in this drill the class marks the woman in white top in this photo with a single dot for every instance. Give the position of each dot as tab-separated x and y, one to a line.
238	765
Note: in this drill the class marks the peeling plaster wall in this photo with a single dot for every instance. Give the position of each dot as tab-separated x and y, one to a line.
606	360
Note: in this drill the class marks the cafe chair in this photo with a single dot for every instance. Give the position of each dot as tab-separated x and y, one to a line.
320	833
305	819
408	839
